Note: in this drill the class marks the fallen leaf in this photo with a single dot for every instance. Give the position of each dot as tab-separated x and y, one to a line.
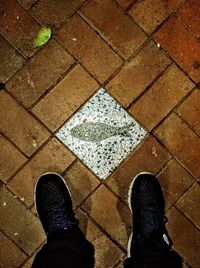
43	37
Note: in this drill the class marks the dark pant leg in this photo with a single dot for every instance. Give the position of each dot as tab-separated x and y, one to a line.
170	260
150	254
67	248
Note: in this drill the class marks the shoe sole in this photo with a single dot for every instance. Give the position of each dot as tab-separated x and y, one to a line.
129	203
47	173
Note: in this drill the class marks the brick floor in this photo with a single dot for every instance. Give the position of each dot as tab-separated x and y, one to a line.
187	204
27	3
29	262
119	225
142	159
103	245
18	26
138	74
125	3
190	14
175	38
63	103
190	110
11	159
10	59
158	11
43	11
120	30
175	181
53	157
74	177
146	54
179	138
25	229
39	73
30	135
161	97
185	236
15	256
82	41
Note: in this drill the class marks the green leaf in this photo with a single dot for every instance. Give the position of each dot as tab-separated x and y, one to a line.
43	37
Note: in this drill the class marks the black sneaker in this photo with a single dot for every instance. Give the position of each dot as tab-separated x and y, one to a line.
148	207
53	203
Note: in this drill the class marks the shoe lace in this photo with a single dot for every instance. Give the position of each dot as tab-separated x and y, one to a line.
58	218
152	219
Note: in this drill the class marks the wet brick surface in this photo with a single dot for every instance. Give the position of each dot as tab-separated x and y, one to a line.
146	55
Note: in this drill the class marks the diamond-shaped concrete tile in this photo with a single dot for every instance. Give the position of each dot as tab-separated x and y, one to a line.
101	134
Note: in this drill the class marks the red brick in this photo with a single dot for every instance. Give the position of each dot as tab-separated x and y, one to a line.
18	26
78	175
162	97
19	223
33	209
185	265
190	13
10	59
125	3
27	3
106	252
19	126
185	237
29	262
190	110
110	213
175	38
54	12
39	73
189	203
120	265
196	2
15	256
89	48
53	157
65	98
117	27
136	75
149	14
10	159
181	141
142	159
175	181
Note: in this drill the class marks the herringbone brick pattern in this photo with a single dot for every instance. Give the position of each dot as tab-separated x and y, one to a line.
146	54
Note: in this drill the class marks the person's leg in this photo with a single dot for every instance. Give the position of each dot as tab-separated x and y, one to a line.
66	245
150	244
